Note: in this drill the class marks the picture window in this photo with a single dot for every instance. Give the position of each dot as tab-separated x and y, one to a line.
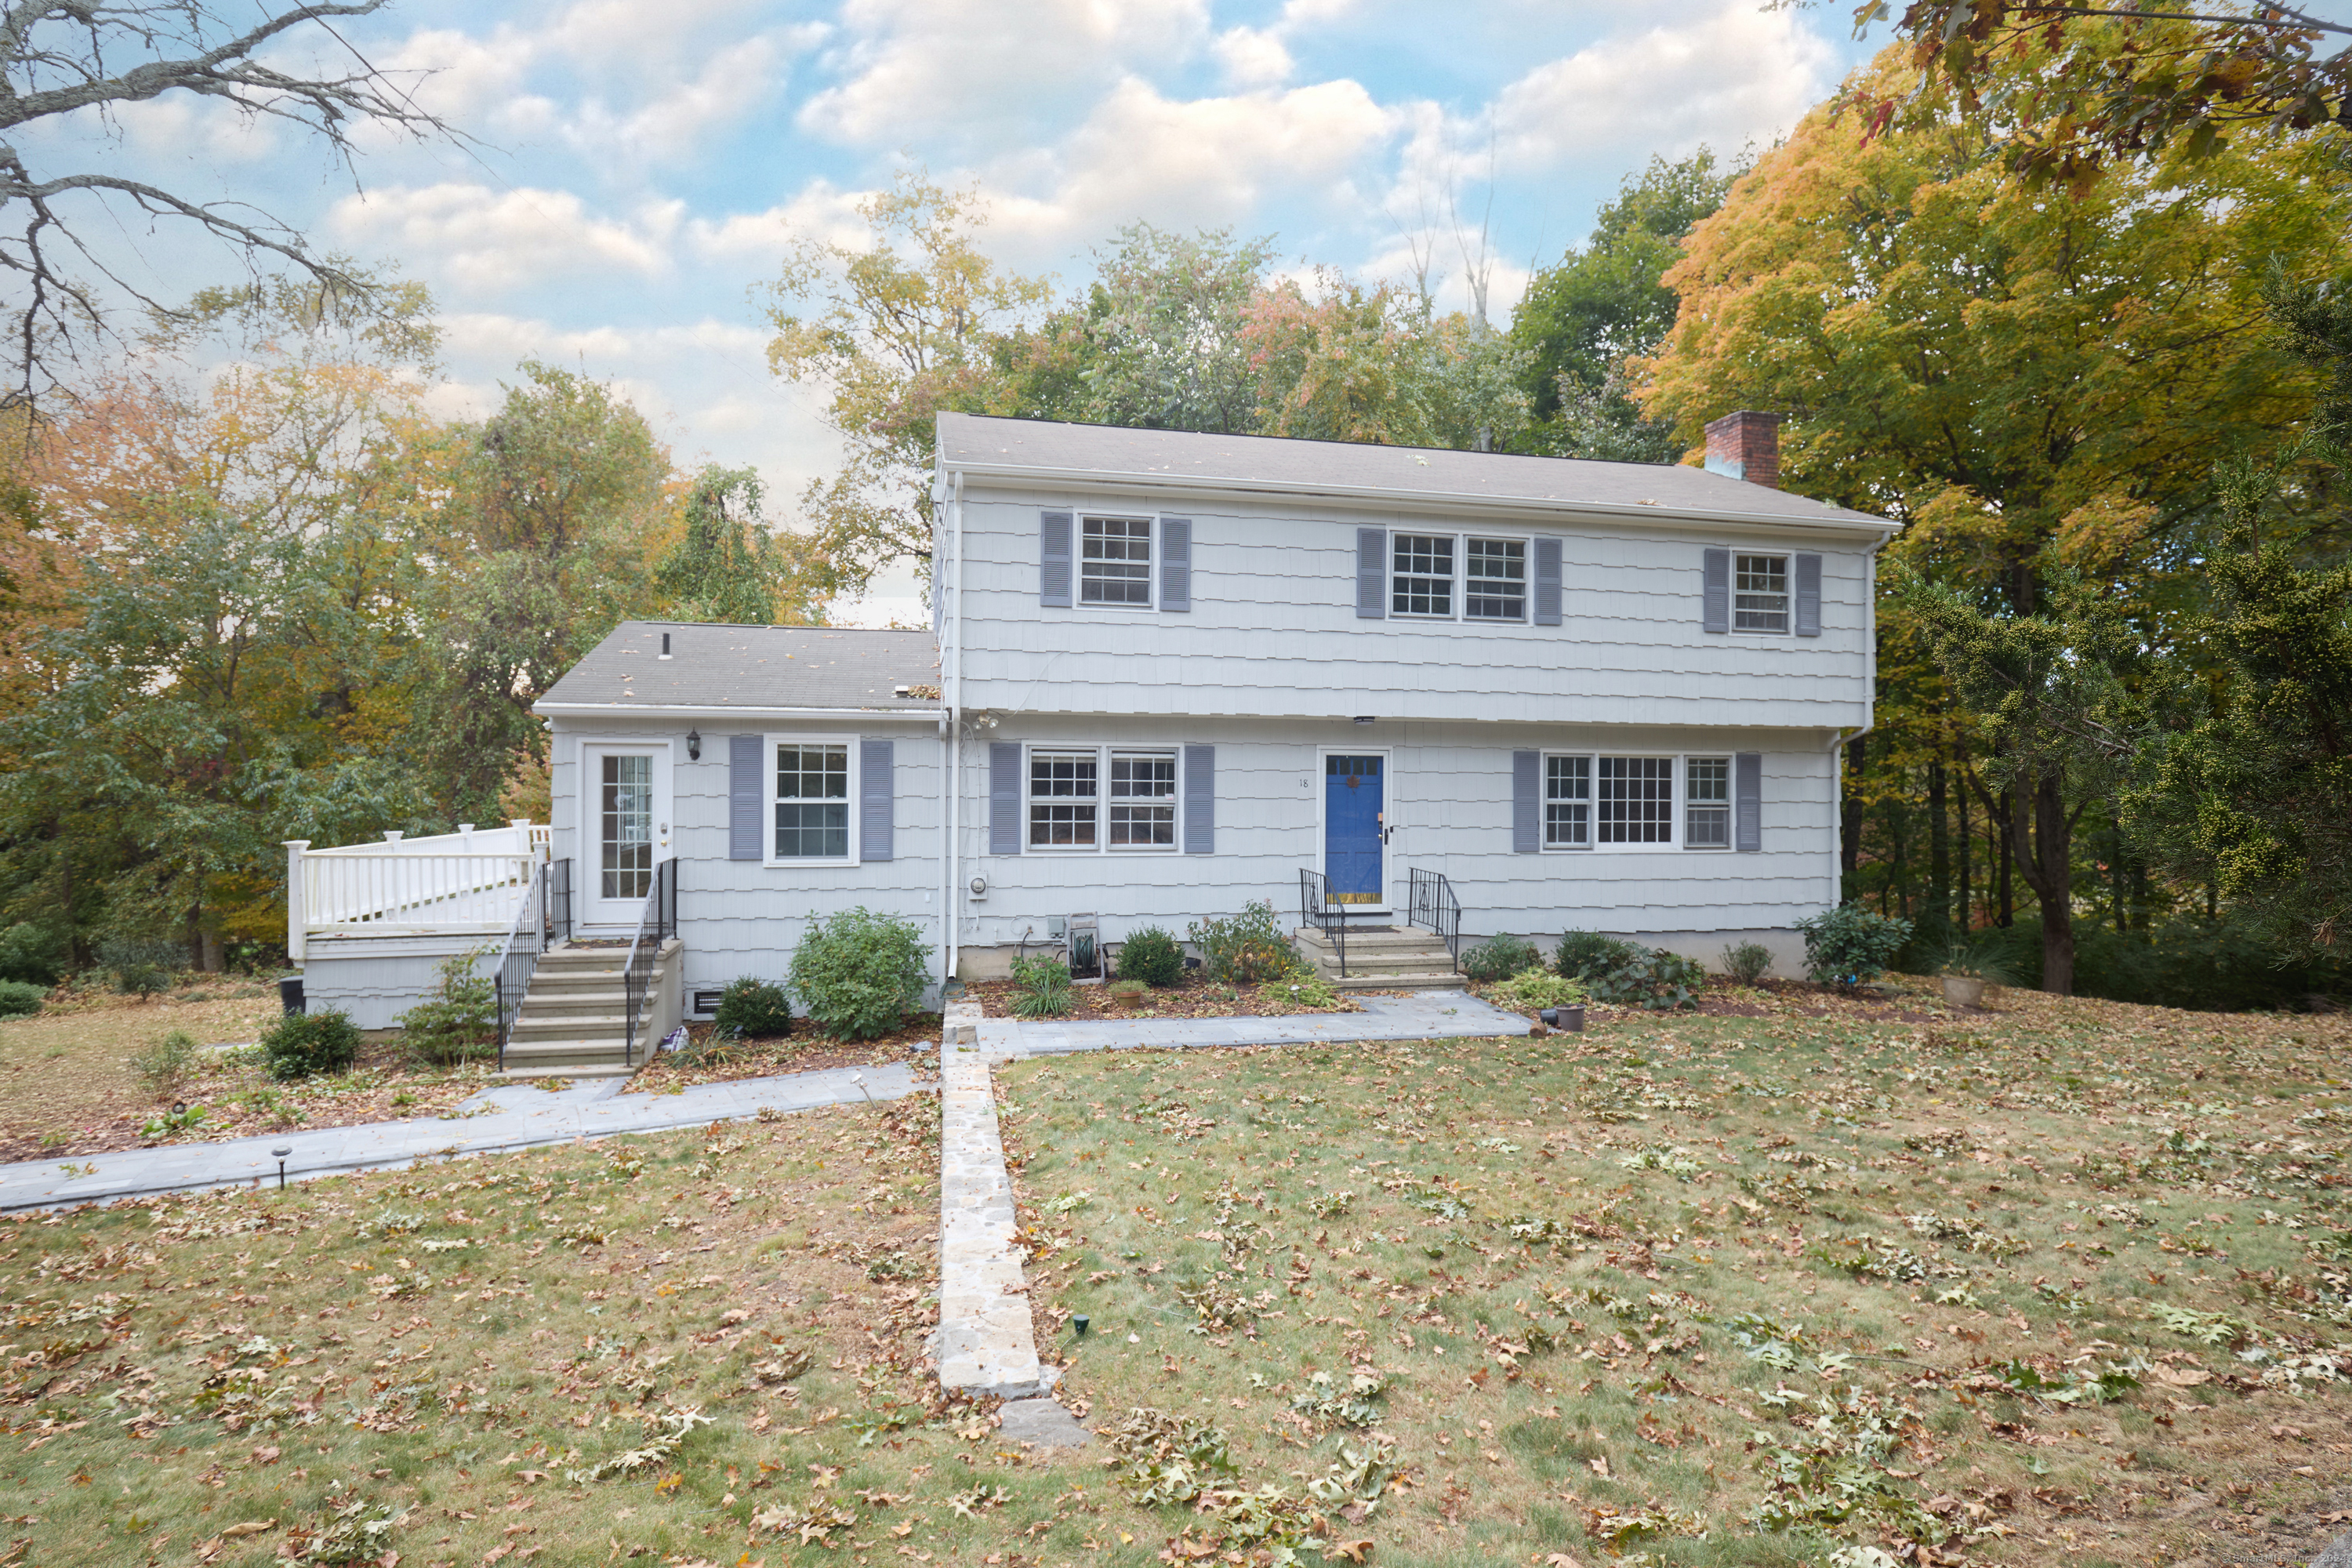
1637	800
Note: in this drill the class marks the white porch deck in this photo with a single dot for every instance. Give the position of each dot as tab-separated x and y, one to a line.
471	882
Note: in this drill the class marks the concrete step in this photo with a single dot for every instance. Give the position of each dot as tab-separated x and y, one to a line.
1383	961
1441	979
1379	958
569	1027
550	982
566	1056
607	1002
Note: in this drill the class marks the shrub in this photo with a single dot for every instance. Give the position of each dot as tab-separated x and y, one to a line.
1651	978
858	975
32	955
1745	962
19	1000
1499	958
1152	956
165	1065
1249	947
1306	988
141	965
1848	944
460	1020
1532	990
751	1009
1586	953
1041	987
300	1043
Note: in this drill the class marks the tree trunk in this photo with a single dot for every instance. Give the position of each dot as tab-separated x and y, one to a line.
1940	849
2045	860
2004	819
1857	757
1967	912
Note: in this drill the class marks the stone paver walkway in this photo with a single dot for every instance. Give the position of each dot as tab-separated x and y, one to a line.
511	1116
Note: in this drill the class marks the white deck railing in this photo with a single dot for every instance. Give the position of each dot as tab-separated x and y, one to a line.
468	882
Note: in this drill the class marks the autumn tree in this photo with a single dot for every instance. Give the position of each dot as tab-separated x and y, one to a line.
727	564
2029	382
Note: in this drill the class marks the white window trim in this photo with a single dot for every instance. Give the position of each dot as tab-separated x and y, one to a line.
1078	600
1678	820
1461	595
768	745
1788	611
1102	754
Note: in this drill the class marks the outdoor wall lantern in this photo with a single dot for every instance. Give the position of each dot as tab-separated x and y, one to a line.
694	745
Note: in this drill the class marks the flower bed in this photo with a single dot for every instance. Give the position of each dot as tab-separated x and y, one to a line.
1193	997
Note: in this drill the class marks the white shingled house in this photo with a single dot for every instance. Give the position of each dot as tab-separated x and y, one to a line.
1451	693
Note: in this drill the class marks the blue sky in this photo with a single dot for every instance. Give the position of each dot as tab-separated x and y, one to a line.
640	162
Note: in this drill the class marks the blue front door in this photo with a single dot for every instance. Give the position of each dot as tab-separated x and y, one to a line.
1352	807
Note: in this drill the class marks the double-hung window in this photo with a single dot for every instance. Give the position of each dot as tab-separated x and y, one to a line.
1760	594
1143	800
1064	798
812	801
1427	570
1114	562
1707	803
1568	802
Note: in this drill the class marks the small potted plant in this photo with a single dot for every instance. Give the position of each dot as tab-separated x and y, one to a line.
1127	993
1967	971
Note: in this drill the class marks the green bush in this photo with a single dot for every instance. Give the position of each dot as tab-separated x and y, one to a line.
165	1065
1651	978
1499	958
1247	948
301	1044
858	973
19	1000
141	965
1041	987
1532	990
751	1009
1849	945
459	1022
32	954
1152	956
1745	962
1584	954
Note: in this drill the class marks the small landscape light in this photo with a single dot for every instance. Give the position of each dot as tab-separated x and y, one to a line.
281	1155
1081	1323
179	1107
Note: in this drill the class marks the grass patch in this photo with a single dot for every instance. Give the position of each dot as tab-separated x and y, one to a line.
1718	1289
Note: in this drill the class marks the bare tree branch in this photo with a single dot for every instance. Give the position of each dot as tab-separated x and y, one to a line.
62	56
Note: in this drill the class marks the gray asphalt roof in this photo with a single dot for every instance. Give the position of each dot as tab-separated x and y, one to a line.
967	441
722	667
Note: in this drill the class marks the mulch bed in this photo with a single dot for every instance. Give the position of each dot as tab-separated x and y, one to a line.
705	1059
241	1101
1192	997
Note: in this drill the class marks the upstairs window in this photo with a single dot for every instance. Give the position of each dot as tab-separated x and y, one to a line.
812	802
1706	809
1568	802
1496	582
1637	800
1760	594
1114	562
1422	581
1062	799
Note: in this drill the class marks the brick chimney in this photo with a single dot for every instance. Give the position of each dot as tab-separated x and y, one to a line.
1747	447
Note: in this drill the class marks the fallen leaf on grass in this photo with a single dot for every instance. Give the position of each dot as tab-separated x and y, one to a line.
250	1527
1353	1551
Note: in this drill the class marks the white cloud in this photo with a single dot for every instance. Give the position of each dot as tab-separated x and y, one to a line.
1724	79
821	211
479	238
988	69
1252	57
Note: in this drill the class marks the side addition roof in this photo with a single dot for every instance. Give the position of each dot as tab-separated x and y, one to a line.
752	671
980	445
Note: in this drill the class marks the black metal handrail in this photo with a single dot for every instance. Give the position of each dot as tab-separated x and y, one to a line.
559	901
657	923
526	940
1319	908
1432	904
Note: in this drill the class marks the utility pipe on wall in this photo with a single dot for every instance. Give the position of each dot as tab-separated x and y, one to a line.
953	620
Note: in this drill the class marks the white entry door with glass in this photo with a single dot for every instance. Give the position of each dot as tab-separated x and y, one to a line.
627	831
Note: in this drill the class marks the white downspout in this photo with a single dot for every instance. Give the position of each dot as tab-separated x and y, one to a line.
953	909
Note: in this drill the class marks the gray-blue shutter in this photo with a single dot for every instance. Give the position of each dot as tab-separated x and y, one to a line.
1054	560
744	795
1200	800
1714	602
1371	574
1747	801
1526	803
1809	596
1547	582
877	799
1004	797
1176	563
